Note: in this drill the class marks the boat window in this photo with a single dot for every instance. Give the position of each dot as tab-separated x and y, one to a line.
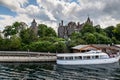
60	58
78	57
103	56
86	57
93	57
96	57
69	58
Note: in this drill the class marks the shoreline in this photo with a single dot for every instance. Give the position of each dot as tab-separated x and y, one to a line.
26	57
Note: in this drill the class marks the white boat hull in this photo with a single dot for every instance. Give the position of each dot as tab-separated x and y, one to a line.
87	62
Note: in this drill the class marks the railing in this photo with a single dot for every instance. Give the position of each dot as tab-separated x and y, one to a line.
21	56
25	53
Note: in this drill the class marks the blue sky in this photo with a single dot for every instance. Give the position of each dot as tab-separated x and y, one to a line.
51	12
6	11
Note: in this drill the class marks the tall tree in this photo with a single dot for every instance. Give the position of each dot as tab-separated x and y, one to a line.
50	32
60	47
117	31
8	31
43	31
109	31
15	28
98	29
102	39
90	38
15	43
28	36
87	28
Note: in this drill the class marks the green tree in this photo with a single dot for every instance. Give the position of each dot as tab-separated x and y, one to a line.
109	31
76	35
60	47
15	43
50	32
90	38
1	42
76	39
114	40
87	28
44	31
102	39
98	29
116	31
42	46
8	31
15	28
76	42
28	36
5	44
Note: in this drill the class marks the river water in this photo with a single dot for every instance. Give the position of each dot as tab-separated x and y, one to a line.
51	71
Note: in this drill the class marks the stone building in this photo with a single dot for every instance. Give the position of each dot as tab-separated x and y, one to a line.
34	27
67	30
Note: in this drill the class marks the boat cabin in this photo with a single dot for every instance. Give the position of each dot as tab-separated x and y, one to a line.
90	54
83	56
110	50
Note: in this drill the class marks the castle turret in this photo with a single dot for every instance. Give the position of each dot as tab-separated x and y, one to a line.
89	21
33	24
34	27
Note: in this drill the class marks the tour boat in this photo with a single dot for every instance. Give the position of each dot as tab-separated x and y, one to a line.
90	57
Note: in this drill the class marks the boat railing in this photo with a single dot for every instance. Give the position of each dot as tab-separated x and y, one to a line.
94	51
112	55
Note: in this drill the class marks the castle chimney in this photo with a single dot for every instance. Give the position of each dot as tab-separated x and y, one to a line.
78	24
62	22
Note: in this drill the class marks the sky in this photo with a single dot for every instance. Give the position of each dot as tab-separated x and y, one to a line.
51	12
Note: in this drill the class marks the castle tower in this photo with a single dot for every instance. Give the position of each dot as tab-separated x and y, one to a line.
89	21
33	24
61	29
34	27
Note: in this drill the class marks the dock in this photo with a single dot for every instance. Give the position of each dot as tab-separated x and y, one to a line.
22	56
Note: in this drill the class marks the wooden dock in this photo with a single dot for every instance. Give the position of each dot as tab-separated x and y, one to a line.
18	56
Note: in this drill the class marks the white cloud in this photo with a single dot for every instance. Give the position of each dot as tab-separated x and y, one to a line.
50	12
14	5
60	9
8	20
107	20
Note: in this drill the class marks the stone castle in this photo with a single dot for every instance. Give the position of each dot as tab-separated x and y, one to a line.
67	30
64	31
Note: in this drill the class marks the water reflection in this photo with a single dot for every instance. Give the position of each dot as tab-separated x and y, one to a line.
51	71
93	72
25	71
